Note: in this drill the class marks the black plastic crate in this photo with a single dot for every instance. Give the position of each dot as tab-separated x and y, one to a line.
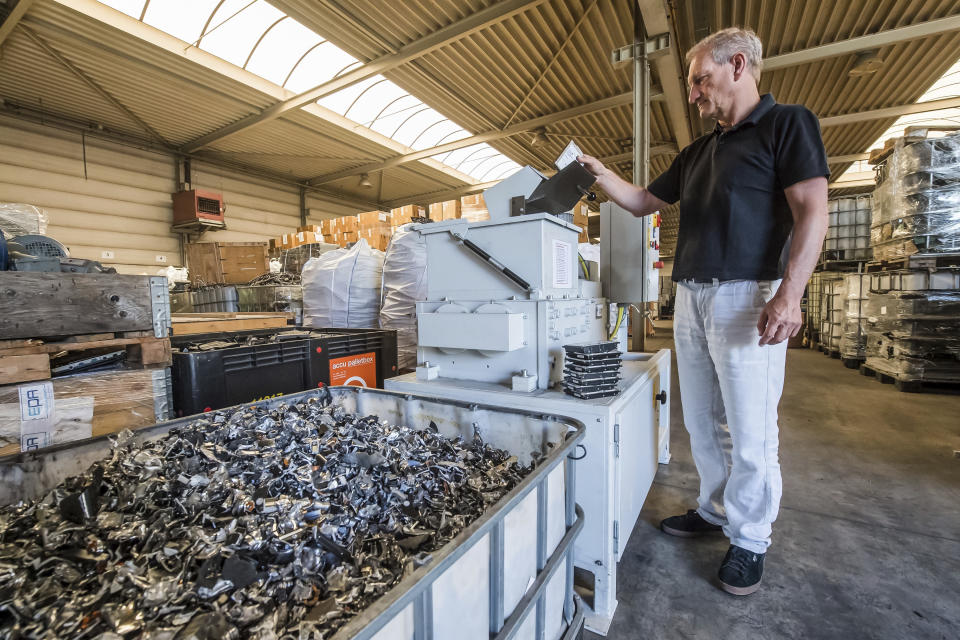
223	377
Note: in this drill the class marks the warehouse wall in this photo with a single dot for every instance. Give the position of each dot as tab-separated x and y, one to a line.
123	203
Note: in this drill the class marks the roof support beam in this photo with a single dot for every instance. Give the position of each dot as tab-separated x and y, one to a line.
497	12
891	112
853	157
90	82
450	194
441	196
657	19
486	136
658	150
853	184
14	19
670	70
872	41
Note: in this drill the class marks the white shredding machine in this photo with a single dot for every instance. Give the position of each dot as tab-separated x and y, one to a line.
504	297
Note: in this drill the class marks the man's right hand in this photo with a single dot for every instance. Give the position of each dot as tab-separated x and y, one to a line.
594	166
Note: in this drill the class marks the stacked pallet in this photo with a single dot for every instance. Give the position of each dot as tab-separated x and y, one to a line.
917	199
853	337
832	309
810	307
83	355
912	328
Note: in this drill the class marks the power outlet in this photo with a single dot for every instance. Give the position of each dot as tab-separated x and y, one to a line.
162	259
106	255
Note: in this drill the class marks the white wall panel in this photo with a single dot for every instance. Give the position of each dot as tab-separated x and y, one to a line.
123	204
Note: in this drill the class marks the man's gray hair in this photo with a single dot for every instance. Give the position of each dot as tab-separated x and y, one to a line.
723	45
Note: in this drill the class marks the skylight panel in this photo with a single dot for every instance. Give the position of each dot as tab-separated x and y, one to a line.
256	36
132	8
232	36
280	49
183	19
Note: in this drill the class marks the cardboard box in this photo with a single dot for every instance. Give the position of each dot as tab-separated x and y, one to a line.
371	218
581	217
326	227
405	214
314	228
308	237
347	223
473	208
475	214
449	210
452	209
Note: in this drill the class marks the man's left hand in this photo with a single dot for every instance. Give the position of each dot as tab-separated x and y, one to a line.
780	319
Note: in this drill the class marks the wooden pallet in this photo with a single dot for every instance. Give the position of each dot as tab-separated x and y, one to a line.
910	385
916	261
53	305
910	135
841	265
90	405
852	363
27	360
194	323
829	351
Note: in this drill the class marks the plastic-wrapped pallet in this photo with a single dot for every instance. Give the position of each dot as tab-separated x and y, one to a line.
18	219
916	205
914	335
811	308
404	284
830	307
341	288
852	337
848	233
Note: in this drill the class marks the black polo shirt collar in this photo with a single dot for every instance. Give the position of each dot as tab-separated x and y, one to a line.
766	103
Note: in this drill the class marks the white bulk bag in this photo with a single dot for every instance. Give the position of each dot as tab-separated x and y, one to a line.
404	284
341	288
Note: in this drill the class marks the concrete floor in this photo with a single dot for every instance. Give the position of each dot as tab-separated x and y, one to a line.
867	543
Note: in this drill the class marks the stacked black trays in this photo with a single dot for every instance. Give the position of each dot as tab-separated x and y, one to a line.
591	370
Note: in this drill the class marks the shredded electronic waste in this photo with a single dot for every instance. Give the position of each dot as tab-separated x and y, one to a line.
269	524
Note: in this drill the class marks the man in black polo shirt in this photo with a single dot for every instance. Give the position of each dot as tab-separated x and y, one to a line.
758	177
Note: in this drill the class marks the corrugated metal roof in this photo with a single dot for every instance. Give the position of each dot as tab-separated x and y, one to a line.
551	56
483	80
181	100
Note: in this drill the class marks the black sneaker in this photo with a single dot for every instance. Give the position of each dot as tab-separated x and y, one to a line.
741	571
689	525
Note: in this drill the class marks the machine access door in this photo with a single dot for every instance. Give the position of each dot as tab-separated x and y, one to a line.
636	437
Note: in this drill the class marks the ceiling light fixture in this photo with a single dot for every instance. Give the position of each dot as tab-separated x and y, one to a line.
866	62
365	181
539	137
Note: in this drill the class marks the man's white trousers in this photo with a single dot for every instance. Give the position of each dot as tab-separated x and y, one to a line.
730	388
